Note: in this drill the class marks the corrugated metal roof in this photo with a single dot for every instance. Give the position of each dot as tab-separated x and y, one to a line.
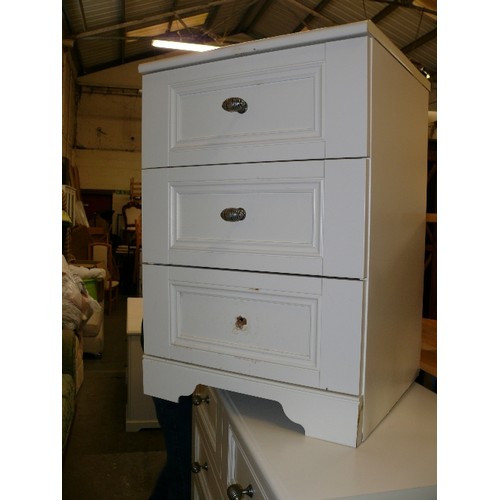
103	33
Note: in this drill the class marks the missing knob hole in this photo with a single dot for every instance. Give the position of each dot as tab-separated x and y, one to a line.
241	322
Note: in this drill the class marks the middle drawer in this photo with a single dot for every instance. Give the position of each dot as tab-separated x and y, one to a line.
290	217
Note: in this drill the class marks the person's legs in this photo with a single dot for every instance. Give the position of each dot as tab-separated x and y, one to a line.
174	481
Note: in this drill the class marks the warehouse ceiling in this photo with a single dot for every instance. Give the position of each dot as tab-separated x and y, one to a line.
103	34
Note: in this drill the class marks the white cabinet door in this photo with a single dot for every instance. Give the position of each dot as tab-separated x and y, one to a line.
295	217
295	329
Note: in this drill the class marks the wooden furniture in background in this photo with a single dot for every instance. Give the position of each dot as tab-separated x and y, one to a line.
69	201
98	205
103	252
98	234
131	212
74	180
68	208
135	189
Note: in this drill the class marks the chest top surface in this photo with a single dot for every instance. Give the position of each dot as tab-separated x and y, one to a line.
288	41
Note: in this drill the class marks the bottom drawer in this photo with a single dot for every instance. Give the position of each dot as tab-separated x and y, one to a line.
201	491
295	329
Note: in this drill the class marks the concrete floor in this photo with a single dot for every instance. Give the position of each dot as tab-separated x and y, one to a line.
102	461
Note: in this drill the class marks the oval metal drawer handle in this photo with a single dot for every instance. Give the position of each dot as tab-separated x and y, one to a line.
235	104
233	214
236	491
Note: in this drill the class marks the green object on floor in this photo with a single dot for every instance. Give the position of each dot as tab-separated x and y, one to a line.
91	286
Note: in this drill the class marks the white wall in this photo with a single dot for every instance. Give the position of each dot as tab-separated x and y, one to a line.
101	124
101	133
108	139
107	149
110	170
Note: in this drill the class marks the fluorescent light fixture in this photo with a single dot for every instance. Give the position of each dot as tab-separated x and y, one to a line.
195	47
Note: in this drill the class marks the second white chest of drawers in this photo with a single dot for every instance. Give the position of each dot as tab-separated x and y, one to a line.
283	225
242	443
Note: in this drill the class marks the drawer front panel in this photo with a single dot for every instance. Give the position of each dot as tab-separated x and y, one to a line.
286	92
293	329
206	412
298	217
240	471
206	480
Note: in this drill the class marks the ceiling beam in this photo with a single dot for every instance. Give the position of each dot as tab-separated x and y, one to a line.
251	16
173	7
410	4
244	20
386	11
151	19
311	12
82	13
420	41
310	17
212	14
123	32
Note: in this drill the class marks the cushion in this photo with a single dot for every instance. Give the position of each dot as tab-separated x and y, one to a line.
68	405
69	351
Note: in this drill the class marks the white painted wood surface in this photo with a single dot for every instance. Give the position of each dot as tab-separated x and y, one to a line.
302	104
239	439
397	462
305	217
302	330
140	410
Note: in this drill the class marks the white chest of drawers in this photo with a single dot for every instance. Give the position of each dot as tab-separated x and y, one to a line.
283	225
241	442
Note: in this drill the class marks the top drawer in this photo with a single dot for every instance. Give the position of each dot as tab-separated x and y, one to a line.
302	103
